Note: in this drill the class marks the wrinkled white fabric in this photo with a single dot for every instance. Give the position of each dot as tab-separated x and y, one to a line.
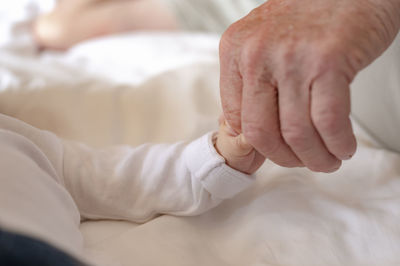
47	184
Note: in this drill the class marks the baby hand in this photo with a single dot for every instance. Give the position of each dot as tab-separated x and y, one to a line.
237	152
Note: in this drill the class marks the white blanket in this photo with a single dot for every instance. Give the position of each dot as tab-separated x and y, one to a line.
164	87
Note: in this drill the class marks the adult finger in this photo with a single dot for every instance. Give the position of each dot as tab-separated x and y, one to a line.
298	130
330	110
231	89
260	123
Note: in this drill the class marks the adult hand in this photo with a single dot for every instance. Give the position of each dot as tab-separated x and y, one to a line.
286	70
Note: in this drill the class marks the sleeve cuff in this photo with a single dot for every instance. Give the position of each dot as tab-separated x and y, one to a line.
204	162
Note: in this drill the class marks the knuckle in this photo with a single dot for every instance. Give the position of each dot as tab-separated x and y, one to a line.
326	57
325	52
224	43
233	29
228	42
254	53
232	116
295	136
286	62
255	66
328	122
250	56
267	140
287	52
231	37
231	113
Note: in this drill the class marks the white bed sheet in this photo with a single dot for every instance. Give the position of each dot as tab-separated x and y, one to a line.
159	87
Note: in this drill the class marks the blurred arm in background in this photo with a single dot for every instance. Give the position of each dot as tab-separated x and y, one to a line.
73	21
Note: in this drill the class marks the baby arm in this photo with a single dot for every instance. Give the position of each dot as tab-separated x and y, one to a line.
138	183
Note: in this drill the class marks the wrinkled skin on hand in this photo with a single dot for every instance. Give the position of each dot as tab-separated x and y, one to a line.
286	69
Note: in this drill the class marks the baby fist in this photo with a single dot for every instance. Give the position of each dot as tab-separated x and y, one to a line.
238	153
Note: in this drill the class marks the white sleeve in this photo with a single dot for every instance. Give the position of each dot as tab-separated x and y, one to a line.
137	183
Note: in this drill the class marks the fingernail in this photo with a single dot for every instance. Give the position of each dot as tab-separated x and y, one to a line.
349	157
345	157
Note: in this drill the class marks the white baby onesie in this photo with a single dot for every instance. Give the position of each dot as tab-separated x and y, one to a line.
47	185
